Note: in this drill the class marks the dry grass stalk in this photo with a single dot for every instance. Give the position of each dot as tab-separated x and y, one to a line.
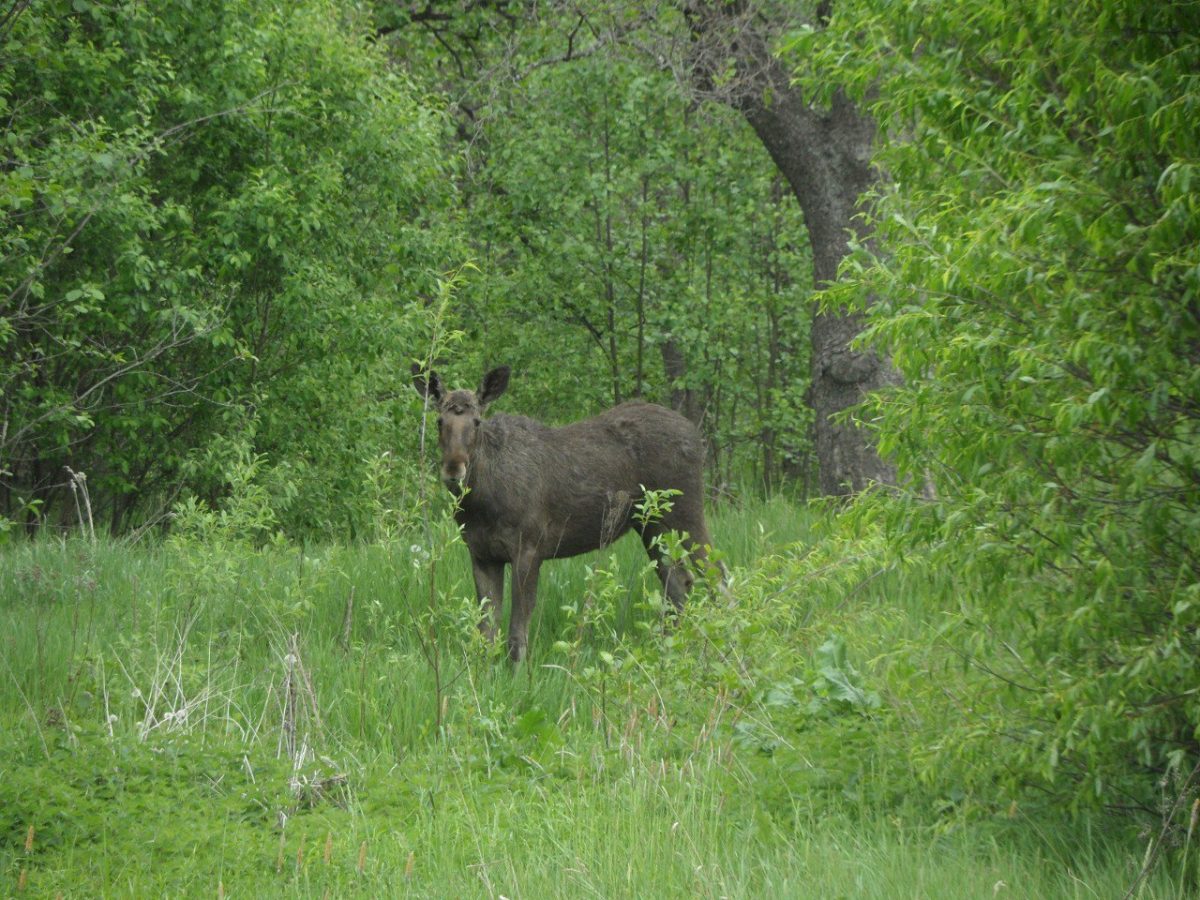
78	482
299	700
348	620
287	729
362	856
169	702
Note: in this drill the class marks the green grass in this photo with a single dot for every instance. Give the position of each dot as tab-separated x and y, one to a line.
198	717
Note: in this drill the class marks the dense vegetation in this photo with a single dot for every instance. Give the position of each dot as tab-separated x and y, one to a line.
211	211
238	629
1039	286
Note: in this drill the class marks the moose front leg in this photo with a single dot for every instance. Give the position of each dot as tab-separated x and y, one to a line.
524	597
489	588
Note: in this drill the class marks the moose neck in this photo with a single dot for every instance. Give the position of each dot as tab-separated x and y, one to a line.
477	479
510	462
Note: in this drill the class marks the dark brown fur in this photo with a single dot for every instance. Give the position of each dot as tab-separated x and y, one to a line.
538	493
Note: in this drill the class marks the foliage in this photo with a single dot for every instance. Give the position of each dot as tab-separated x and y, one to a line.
217	216
620	224
1038	283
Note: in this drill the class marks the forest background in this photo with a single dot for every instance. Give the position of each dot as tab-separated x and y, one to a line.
927	276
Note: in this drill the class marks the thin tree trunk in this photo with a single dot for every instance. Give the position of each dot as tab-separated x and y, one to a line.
639	371
683	399
609	288
769	434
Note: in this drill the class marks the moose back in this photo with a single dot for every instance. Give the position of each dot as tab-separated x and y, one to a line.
536	492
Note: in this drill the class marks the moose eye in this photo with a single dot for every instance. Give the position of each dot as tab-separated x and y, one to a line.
477	421
439	421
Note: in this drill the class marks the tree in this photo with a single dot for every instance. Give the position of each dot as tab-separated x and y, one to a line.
824	152
1038	279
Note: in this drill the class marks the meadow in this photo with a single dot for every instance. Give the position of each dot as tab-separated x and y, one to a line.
207	717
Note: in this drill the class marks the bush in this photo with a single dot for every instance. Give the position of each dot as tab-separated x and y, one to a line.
1039	287
217	218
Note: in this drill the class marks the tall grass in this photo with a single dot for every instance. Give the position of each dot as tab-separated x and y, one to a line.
203	718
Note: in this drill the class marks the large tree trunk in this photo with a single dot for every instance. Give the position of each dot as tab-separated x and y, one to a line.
826	160
825	157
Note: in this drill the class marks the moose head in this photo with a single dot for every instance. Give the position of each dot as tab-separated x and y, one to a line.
460	415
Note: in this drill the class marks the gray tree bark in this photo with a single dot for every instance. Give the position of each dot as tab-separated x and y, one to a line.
683	399
825	157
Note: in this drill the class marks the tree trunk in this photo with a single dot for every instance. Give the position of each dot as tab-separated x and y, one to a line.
825	157
683	399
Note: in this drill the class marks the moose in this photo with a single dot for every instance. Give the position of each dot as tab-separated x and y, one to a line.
528	492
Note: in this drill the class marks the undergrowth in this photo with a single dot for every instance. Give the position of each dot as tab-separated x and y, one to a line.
218	715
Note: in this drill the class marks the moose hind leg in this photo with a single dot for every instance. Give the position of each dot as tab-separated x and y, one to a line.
686	517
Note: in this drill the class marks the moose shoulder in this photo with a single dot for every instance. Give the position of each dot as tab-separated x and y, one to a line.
537	493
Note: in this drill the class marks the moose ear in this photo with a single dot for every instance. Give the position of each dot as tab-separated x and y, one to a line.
494	384
430	387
